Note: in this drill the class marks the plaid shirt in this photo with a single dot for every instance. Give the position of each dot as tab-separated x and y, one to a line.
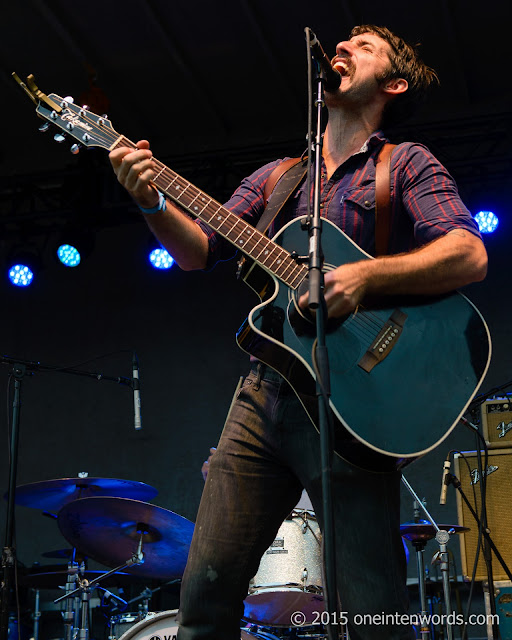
425	200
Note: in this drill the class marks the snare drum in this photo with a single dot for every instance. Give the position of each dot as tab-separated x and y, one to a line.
156	626
289	577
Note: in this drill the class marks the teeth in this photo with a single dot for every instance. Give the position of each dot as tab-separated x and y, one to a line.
341	67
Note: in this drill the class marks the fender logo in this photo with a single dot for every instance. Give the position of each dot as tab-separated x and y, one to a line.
503	428
475	476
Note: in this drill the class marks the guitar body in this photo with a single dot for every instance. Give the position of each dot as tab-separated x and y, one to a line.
388	411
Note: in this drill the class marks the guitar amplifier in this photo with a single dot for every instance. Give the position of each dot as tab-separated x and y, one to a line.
496	416
499	511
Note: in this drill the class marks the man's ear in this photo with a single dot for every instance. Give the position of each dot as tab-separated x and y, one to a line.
395	86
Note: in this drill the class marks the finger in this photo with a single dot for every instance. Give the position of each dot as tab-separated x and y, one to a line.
139	176
131	165
116	156
304	300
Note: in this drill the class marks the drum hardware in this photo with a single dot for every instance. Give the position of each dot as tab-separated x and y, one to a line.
36	615
107	530
84	589
147	593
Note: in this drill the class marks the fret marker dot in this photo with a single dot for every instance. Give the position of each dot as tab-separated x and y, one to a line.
219	217
266	251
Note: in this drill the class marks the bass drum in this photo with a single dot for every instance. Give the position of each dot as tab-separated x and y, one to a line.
155	626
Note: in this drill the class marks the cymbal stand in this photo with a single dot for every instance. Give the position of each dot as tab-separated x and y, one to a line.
70	615
36	615
85	589
442	538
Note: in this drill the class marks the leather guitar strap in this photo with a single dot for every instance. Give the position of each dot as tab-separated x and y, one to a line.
281	183
383	199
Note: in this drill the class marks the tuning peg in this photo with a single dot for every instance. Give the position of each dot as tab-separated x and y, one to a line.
44	127
59	137
67	100
75	148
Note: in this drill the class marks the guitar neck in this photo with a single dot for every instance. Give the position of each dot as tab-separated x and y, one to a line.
242	235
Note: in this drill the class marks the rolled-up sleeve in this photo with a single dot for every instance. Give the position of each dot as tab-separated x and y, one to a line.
430	196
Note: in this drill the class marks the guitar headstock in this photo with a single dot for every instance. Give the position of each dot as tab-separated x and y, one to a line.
87	128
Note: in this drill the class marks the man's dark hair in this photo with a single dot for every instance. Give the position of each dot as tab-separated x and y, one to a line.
406	64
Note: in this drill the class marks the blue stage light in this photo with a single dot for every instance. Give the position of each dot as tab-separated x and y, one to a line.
68	255
487	221
21	275
160	259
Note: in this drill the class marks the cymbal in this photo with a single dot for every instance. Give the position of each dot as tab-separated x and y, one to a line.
108	530
56	579
52	495
423	530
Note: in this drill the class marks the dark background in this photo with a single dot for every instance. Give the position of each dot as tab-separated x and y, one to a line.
218	88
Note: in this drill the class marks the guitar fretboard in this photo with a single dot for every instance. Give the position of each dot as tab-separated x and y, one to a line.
244	236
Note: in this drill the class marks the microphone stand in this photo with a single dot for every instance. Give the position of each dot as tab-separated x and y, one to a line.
19	369
317	303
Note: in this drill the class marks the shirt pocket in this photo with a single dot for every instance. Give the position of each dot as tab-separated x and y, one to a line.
359	200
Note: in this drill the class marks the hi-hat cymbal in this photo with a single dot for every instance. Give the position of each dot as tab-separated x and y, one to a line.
108	530
52	495
423	530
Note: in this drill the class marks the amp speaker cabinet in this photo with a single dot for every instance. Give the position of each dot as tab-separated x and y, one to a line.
499	510
496	418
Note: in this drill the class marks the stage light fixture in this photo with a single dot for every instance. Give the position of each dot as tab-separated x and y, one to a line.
69	255
23	266
73	247
487	221
160	258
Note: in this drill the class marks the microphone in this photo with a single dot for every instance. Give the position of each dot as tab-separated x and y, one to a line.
444	484
332	78
136	392
108	596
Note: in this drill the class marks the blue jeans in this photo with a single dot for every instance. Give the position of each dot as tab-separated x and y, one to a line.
268	452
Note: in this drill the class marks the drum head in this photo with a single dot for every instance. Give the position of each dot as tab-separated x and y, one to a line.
155	626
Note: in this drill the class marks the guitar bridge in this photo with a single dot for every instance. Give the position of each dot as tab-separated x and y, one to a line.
384	342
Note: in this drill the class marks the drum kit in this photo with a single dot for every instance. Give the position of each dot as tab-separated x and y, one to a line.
111	522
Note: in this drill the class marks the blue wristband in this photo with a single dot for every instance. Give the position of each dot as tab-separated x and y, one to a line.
159	207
